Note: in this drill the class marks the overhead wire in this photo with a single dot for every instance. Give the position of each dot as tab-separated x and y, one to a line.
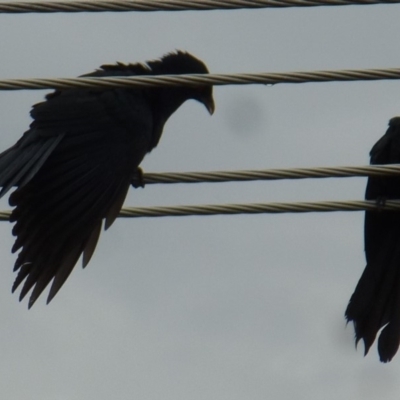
169	5
141	81
271	174
261	208
250	208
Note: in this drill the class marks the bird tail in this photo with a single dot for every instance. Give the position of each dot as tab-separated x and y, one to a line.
20	163
375	302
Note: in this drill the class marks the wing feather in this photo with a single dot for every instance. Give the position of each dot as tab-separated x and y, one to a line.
79	175
375	302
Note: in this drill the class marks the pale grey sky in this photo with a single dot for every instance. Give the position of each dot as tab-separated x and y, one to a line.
229	307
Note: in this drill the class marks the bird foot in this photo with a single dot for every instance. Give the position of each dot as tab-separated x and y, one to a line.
137	178
380	202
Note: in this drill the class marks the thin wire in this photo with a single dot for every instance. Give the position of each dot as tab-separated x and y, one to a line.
201	79
170	5
271	174
255	208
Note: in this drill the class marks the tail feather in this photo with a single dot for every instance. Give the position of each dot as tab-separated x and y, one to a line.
375	302
389	339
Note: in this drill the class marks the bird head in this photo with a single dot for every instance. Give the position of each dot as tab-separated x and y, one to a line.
181	63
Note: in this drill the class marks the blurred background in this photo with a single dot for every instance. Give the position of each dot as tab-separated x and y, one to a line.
224	307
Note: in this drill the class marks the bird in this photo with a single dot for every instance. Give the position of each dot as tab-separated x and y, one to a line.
375	303
71	170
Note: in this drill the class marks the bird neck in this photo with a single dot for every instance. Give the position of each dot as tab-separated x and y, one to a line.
164	102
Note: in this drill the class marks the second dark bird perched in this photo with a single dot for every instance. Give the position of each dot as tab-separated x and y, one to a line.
74	166
375	303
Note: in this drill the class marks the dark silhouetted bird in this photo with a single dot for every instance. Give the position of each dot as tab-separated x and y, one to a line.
74	166
375	303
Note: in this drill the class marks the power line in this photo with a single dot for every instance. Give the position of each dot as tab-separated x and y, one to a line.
271	174
252	208
258	208
202	79
170	5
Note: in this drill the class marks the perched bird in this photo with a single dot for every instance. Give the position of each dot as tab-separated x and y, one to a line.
375	303
74	166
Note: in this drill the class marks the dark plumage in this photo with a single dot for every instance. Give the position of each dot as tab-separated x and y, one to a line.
74	166
375	302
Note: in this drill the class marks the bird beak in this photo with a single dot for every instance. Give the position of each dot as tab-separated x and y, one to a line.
210	105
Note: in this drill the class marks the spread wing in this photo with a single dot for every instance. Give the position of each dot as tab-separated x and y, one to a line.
73	169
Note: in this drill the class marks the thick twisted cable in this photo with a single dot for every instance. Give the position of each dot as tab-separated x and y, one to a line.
255	208
201	79
258	208
170	5
271	174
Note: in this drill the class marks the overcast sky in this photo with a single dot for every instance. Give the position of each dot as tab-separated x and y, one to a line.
225	307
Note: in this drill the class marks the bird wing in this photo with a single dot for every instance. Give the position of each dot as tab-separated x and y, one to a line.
375	302
82	150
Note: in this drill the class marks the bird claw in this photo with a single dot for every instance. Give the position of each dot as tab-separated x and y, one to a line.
381	202
137	178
